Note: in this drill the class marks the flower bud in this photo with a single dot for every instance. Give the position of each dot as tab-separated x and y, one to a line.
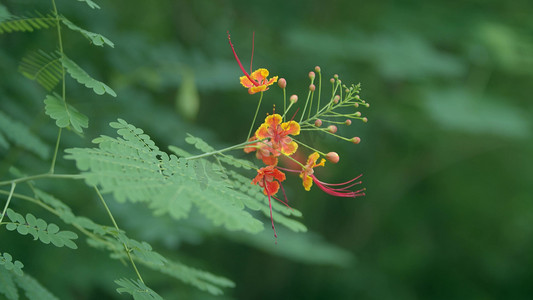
282	83
332	128
348	122
336	76
333	157
318	122
312	87
356	105
312	75
357	97
365	119
336	99
332	80
357	113
356	140
293	98
317	69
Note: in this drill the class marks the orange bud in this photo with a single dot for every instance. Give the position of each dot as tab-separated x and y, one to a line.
318	122
333	157
311	75
317	69
332	128
356	140
312	87
365	119
348	122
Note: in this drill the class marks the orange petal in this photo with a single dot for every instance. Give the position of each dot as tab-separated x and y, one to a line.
272	80
254	89
262	132
271	188
291	127
246	82
273	120
259	75
289	148
270	160
307	182
278	175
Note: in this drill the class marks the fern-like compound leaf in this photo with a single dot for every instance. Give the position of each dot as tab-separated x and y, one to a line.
133	168
64	113
95	38
21	136
137	289
45	68
40	230
27	24
91	4
33	289
82	77
7	285
6	260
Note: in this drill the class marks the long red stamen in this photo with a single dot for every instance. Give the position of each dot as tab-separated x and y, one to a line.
240	64
270	206
284	195
339	192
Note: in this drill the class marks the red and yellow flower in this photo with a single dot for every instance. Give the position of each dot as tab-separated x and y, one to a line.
257	81
269	179
278	133
308	171
263	151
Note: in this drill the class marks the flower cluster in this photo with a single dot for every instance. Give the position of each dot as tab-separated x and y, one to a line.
276	136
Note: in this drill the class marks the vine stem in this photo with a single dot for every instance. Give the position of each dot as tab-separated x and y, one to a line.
45	175
13	184
221	150
255	116
116	227
63	85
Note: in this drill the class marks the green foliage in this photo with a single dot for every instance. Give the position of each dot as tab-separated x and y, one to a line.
45	68
33	289
40	230
95	38
20	135
137	289
82	77
91	4
7	285
64	113
6	260
27	24
133	168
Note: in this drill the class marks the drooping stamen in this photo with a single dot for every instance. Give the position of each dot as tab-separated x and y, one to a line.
339	192
270	206
284	195
240	64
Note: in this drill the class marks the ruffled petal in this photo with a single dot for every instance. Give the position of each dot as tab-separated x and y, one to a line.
291	127
246	82
254	89
307	182
270	160
272	80
271	188
289	148
262	132
259	75
273	120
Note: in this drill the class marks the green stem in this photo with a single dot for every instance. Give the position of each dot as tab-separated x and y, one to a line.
255	116
52	167
45	175
221	150
319	90
284	103
8	200
116	227
309	147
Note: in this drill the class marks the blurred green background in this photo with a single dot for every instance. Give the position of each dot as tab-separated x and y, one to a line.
446	154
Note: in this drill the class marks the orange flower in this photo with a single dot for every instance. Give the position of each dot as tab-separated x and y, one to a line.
307	179
257	81
277	133
266	177
264	151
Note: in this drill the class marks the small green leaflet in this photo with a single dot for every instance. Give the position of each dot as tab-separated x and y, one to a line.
95	38
137	289
64	113
7	261
40	230
82	77
91	4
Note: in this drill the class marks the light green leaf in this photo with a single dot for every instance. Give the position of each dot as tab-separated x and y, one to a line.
82	77
6	260
91	4
21	135
45	68
95	38
65	114
33	289
25	24
137	289
7	285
